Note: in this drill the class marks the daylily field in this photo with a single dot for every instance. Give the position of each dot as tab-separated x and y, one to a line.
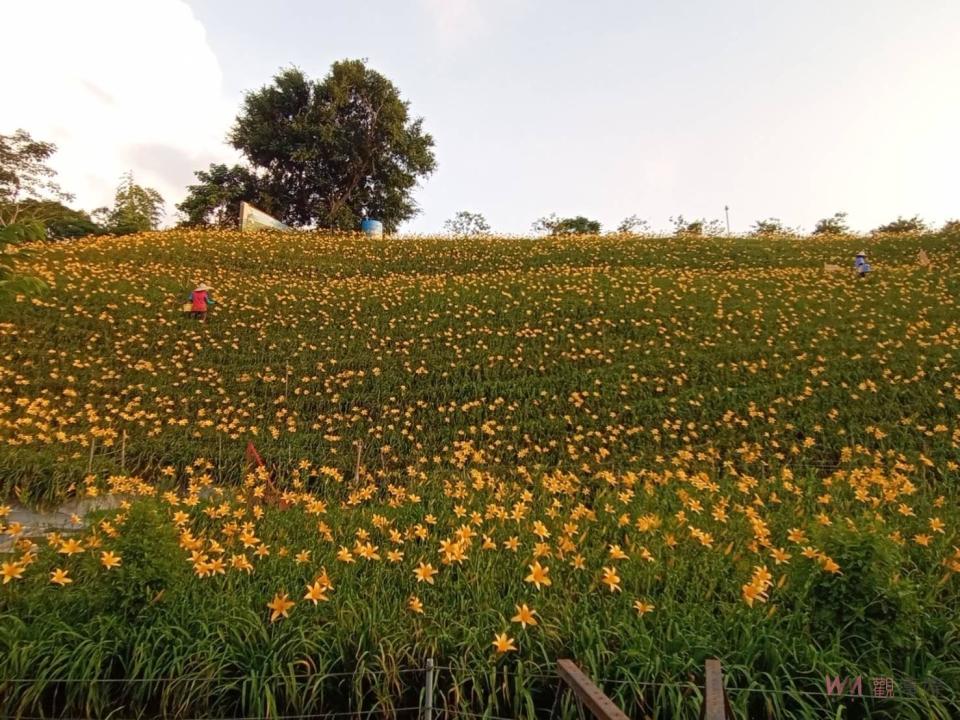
638	453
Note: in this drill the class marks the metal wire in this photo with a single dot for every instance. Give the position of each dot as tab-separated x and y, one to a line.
314	716
811	693
482	716
321	676
216	678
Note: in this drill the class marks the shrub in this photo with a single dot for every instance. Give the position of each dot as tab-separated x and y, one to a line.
903	225
151	562
867	607
834	225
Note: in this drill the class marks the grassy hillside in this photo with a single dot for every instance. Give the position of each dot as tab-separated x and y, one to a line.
714	446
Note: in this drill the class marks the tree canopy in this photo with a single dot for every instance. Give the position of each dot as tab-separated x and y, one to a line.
579	225
834	225
466	224
215	199
320	153
60	222
25	174
702	226
135	209
633	225
903	225
767	228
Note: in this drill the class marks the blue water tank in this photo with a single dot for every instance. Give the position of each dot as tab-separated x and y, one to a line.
371	228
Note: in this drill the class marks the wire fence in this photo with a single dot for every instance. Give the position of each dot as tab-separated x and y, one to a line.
305	716
225	678
848	688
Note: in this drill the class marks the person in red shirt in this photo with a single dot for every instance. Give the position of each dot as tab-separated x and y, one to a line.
200	299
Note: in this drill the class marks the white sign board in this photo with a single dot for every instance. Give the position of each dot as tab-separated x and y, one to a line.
252	219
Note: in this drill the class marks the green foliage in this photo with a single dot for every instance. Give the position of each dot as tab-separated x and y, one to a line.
322	153
951	226
467	224
833	225
151	566
902	226
21	232
135	209
868	606
13	235
60	222
579	225
215	200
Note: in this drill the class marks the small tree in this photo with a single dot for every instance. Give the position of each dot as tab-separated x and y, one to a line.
135	209
767	228
633	225
579	225
834	225
951	226
466	224
215	199
682	226
902	226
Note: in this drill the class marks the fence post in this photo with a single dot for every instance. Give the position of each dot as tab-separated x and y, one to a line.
428	691
356	470
93	442
602	707
715	703
123	452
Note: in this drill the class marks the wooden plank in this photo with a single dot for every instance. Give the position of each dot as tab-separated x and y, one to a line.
714	697
599	704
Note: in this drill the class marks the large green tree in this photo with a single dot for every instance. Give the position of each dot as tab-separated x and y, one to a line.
135	209
25	175
321	153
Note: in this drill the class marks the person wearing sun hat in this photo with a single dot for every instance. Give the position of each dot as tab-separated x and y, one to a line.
860	263
200	299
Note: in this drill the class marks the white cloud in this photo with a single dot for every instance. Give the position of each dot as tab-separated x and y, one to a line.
117	85
458	24
454	20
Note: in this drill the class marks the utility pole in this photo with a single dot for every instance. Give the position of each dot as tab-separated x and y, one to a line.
726	210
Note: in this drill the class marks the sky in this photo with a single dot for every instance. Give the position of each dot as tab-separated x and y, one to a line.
605	109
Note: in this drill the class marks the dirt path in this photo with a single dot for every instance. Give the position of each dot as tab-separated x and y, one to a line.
36	523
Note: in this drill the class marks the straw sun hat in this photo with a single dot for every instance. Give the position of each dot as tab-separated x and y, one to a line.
862	253
203	286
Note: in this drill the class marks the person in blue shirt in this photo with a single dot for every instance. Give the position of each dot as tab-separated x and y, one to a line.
860	264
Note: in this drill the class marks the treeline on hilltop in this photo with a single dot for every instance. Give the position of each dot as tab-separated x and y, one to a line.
319	154
33	207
